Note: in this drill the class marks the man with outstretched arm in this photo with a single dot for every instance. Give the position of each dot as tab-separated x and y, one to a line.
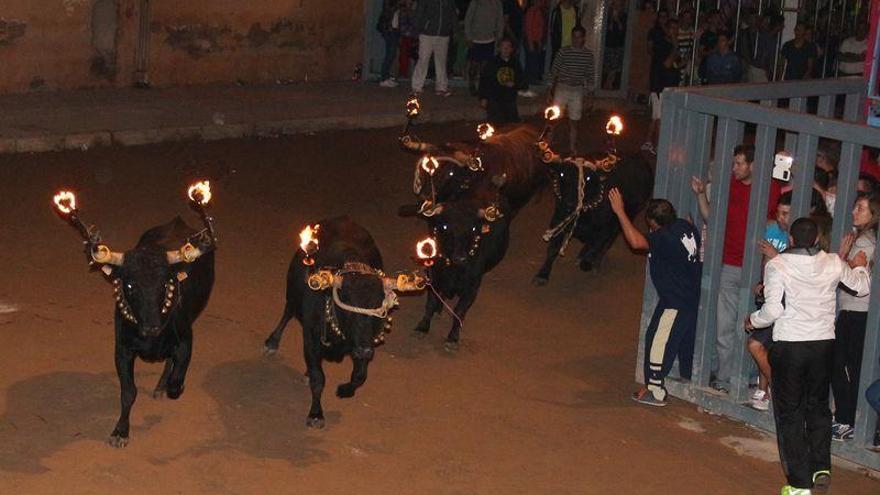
803	340
673	247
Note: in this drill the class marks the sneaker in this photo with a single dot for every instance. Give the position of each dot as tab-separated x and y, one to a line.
720	388
790	490
842	433
647	146
527	93
821	481
648	399
388	83
760	400
445	93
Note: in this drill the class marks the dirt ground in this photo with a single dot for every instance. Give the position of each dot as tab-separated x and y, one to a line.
536	400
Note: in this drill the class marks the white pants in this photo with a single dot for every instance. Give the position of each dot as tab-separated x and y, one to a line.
437	46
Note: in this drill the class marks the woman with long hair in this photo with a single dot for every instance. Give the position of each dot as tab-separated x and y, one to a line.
849	329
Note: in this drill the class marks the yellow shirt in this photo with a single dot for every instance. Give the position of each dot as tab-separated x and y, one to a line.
568	21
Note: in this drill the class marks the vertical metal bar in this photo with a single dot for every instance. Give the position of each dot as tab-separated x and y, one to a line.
795	105
776	57
677	7
854	107
765	144
802	175
736	26
848	177
827	37
815	15
843	17
826	106
728	134
866	418
665	142
694	45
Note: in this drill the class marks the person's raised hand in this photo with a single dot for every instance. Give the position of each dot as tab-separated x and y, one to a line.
767	249
616	200
860	259
698	186
846	243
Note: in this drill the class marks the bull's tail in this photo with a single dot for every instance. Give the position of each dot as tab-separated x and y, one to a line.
270	346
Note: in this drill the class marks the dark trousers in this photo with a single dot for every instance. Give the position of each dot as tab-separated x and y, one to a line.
849	331
801	377
535	65
501	112
392	39
670	336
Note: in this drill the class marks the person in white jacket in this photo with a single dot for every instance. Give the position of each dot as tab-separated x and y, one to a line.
800	292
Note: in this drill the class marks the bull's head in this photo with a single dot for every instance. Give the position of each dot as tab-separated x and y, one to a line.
360	301
457	229
146	280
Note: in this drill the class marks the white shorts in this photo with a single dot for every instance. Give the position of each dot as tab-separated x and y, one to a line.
655	106
570	100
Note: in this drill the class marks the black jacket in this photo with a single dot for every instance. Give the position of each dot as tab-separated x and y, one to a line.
494	73
435	17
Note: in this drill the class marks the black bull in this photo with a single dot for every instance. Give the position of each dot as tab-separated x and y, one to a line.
158	299
594	224
347	253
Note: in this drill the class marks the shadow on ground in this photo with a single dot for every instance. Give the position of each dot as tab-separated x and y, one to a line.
47	412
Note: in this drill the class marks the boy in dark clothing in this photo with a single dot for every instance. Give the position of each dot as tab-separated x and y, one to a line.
502	77
673	247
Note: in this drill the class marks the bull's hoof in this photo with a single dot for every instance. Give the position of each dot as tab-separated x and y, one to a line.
269	349
317	423
450	346
117	442
345	391
419	333
539	281
586	266
174	392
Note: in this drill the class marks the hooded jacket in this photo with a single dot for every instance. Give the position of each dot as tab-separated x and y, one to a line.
484	21
435	17
809	284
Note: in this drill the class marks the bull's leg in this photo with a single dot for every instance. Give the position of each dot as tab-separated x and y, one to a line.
270	346
543	276
465	301
128	393
358	374
162	384
591	255
181	358
316	383
432	306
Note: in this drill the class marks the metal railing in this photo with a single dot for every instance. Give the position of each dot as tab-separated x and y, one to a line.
699	129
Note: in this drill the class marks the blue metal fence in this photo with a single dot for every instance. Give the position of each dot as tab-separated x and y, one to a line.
699	129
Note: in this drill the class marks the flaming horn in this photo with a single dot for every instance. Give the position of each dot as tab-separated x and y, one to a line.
98	253
613	128
200	195
407	142
308	242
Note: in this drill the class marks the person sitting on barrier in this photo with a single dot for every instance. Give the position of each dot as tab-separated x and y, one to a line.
673	247
803	342
849	329
727	338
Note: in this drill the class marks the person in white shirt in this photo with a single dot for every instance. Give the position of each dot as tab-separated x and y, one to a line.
852	52
803	343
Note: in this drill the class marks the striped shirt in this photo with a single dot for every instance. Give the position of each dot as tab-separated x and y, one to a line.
574	67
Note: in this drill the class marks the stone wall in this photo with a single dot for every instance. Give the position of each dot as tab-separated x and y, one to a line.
64	44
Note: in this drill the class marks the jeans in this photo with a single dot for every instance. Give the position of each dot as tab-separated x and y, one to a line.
392	39
727	324
534	65
873	396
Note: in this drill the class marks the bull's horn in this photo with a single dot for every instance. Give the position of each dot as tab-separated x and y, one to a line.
405	282
408	143
320	280
104	256
186	254
429	210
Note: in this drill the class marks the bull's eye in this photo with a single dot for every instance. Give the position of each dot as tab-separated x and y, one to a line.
445	227
451	174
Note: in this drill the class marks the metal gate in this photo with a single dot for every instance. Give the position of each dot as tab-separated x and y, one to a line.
699	129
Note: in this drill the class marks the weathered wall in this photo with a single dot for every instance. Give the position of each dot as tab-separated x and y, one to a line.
59	44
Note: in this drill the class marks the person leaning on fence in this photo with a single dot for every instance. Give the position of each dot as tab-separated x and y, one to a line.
727	339
573	75
673	247
849	329
803	340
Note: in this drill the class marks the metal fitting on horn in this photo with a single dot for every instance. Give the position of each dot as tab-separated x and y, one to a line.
102	255
186	254
321	280
406	282
490	213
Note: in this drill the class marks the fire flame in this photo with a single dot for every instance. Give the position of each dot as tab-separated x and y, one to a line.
552	113
429	164
426	249
65	201
413	107
614	125
309	237
200	192
485	131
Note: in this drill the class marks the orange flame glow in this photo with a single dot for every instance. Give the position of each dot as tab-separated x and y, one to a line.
308	238
552	113
200	192
429	164
614	125
65	201
426	249
413	107
485	131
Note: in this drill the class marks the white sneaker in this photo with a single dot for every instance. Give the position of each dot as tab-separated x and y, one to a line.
761	400
527	93
388	83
